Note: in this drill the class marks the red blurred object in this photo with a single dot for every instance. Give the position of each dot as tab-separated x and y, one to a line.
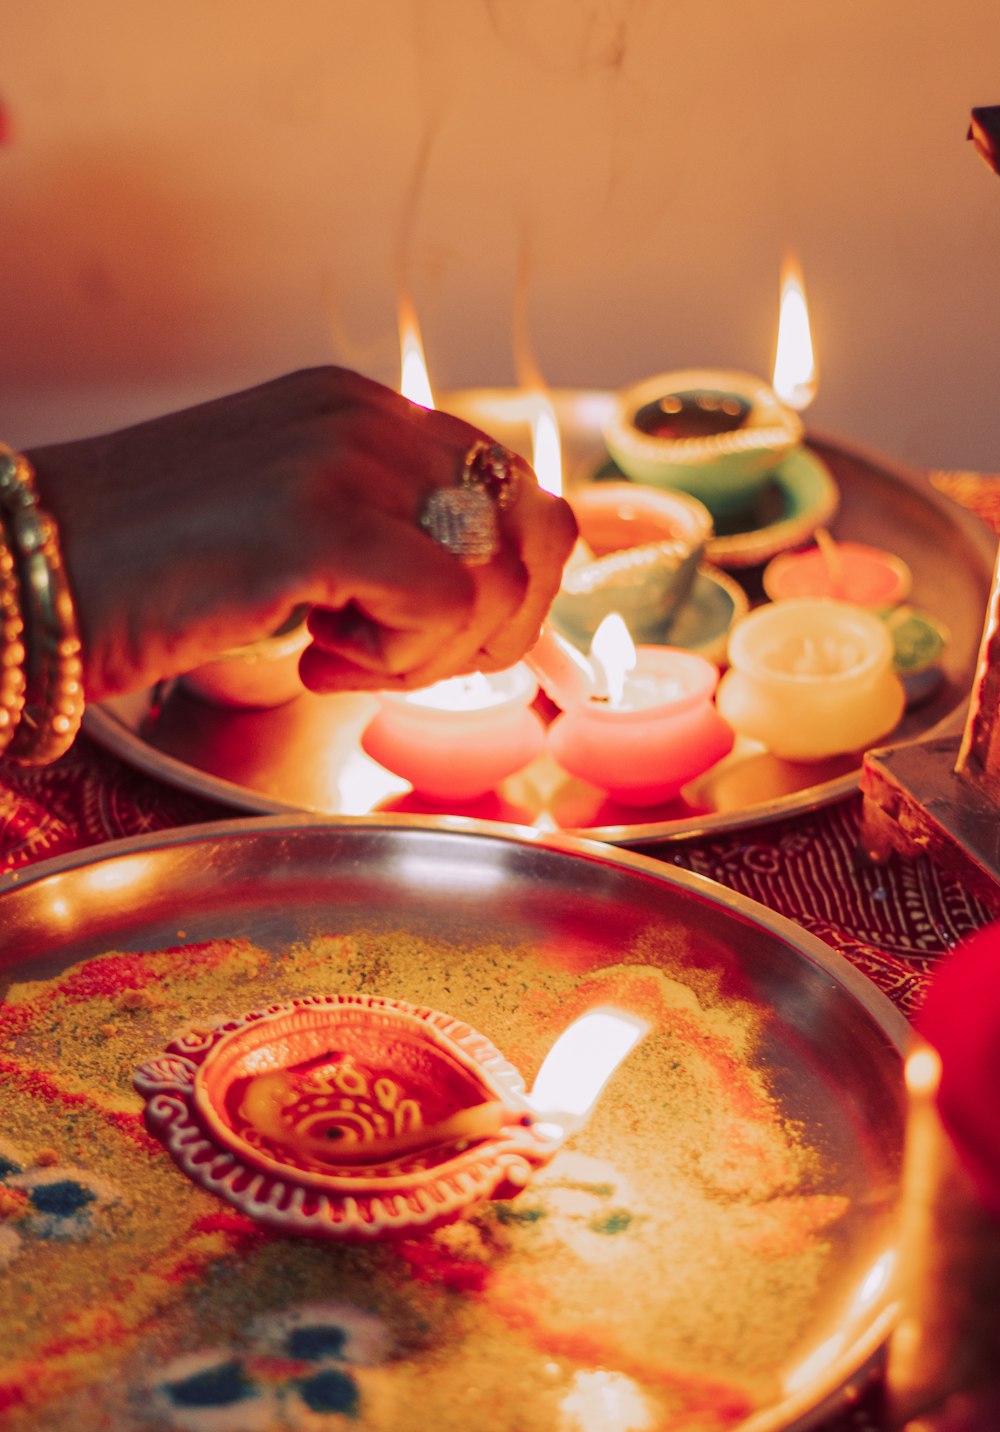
5	128
961	1019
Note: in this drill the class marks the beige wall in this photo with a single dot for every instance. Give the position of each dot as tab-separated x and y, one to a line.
201	193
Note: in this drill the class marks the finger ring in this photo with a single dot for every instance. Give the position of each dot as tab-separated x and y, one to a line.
487	468
464	518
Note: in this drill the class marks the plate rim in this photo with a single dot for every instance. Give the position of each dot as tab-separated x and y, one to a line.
877	1004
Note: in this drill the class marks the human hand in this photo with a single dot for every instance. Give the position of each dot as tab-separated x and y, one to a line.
203	530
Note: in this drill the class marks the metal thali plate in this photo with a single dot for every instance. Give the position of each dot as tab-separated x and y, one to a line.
306	756
713	1250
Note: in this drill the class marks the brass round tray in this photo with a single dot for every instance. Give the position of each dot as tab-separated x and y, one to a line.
306	756
718	1238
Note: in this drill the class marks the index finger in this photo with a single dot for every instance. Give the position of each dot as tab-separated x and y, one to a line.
542	530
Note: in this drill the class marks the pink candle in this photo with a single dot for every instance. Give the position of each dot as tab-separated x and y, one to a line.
458	739
662	731
846	571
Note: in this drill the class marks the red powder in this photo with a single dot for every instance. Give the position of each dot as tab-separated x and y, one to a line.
45	1089
430	1263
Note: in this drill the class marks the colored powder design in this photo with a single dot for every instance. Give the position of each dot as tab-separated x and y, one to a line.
661	1265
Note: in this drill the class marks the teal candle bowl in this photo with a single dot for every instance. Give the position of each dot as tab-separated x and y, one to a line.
713	434
666	598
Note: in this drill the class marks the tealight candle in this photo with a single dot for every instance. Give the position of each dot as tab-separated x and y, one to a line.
457	739
645	741
811	679
847	571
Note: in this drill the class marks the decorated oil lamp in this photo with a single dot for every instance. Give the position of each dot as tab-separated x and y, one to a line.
357	1117
719	434
715	435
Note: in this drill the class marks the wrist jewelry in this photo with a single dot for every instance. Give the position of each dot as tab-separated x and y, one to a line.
12	655
50	656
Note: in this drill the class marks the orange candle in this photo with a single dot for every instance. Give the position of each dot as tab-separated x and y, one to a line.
844	571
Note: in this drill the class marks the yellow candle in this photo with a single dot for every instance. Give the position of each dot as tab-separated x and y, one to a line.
811	679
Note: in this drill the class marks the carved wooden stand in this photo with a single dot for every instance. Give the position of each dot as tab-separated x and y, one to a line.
942	797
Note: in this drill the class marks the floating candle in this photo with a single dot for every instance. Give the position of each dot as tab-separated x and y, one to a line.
655	729
847	571
457	739
811	679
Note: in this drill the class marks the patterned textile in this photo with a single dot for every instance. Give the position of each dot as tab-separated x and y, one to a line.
894	922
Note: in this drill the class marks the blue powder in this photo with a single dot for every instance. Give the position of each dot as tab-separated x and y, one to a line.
215	1387
65	1197
317	1342
330	1391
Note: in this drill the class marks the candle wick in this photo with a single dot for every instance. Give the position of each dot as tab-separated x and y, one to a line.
832	560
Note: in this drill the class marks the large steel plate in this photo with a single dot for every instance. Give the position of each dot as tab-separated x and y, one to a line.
713	1250
306	756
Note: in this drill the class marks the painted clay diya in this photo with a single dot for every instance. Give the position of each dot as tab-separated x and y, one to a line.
715	435
663	601
348	1116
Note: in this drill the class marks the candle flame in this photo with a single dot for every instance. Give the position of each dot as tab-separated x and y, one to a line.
581	1062
546	447
613	653
794	378
414	382
922	1071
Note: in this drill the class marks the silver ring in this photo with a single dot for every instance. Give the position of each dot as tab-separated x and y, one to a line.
463	518
488	468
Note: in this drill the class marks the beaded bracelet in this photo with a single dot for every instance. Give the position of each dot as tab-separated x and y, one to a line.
53	699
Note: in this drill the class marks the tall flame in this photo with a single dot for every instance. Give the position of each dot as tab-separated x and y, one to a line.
581	1062
794	378
546	456
613	652
413	381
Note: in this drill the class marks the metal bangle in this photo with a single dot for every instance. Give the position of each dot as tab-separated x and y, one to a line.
12	654
54	701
